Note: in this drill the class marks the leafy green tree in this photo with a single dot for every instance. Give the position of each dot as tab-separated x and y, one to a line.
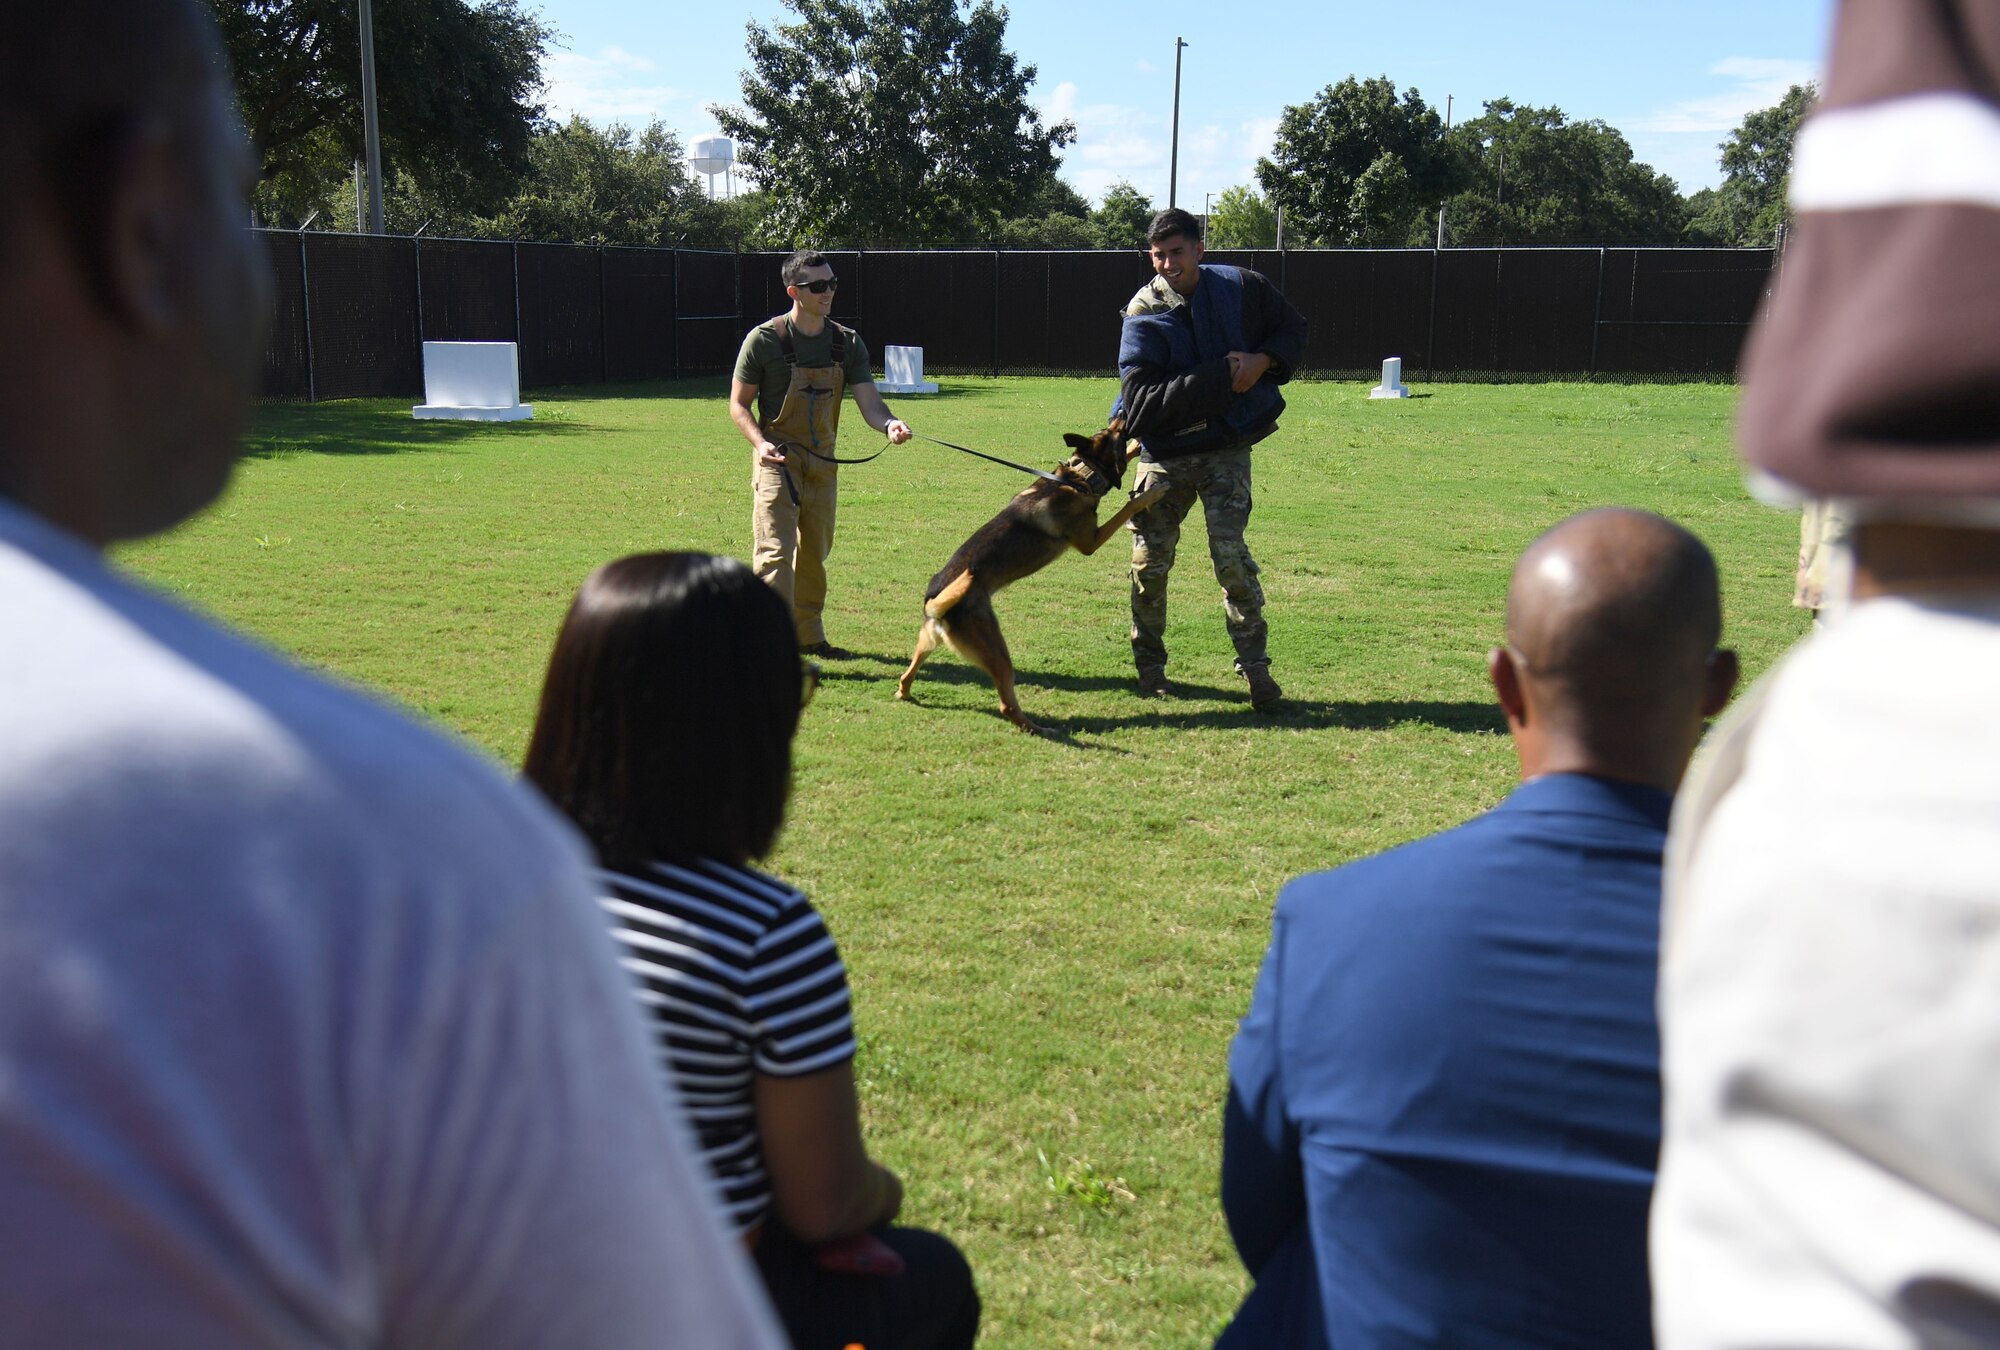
455	90
1535	177
1242	219
1052	215
1756	165
890	122
741	222
1058	229
1357	165
1384	208
1120	220
592	186
1054	197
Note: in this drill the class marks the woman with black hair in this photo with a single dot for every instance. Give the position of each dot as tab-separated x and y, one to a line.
665	732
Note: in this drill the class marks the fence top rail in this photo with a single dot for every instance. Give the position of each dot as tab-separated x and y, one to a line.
968	249
954	250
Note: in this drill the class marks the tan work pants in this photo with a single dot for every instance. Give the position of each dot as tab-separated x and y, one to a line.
789	544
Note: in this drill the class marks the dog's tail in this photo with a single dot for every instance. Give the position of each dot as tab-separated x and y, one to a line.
940	604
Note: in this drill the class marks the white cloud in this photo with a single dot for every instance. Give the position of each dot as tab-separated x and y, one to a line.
1756	83
1117	142
1114	142
1060	106
1217	157
611	87
1785	71
1681	139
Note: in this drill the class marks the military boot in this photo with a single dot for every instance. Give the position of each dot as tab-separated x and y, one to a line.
1265	695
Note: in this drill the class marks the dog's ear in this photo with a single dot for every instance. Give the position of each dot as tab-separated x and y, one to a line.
1076	442
1132	448
1116	430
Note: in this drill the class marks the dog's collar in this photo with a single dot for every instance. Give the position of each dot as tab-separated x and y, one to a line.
1095	480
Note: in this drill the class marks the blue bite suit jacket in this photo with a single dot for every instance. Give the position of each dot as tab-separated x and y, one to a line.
1444	1105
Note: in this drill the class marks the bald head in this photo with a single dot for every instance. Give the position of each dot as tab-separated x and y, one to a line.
132	300
1612	623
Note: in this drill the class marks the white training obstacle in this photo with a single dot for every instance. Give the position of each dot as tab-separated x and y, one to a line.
1392	380
472	381
903	372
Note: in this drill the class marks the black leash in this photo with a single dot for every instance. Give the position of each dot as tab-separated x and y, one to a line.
968	450
792	488
831	459
962	449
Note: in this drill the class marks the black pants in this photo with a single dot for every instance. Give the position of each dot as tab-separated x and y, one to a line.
930	1306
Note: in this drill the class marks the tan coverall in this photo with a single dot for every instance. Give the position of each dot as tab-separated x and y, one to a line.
790	540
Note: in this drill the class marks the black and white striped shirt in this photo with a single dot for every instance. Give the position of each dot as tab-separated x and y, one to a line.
742	978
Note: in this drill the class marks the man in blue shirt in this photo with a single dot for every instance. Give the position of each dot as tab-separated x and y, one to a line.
1444	1105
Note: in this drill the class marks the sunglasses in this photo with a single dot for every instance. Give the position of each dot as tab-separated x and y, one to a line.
820	287
808	683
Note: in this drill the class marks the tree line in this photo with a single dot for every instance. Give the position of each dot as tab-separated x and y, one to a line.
884	123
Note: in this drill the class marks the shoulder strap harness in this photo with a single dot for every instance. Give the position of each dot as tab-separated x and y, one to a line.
782	326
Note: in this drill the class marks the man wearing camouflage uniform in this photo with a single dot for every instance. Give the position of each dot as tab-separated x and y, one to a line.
1202	351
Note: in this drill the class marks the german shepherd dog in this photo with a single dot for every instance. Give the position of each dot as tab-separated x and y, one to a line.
1031	531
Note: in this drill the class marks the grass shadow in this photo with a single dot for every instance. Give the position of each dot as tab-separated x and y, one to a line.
371	427
1329	714
1175	711
377	426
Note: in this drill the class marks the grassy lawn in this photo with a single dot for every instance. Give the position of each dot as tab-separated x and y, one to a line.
1050	939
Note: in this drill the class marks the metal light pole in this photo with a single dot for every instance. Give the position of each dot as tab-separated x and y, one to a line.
371	133
1447	131
1174	155
1206	198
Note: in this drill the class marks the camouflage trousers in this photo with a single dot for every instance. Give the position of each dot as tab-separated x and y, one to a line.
1221	479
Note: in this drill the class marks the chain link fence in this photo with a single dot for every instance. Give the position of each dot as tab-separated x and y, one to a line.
353	311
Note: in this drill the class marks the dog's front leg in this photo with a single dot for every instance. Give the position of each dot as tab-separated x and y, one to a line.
1124	513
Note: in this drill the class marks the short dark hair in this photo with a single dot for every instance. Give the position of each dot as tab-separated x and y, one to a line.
1171	222
666	721
795	268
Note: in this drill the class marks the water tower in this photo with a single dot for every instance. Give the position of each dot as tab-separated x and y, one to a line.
712	155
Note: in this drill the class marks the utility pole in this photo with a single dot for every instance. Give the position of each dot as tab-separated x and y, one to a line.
1447	132
1206	198
1174	155
371	132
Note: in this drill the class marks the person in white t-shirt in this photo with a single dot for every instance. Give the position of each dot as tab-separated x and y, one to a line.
308	1034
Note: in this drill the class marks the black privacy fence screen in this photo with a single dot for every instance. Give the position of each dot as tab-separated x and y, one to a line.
353	311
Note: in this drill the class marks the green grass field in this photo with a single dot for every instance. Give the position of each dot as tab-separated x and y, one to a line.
1050	939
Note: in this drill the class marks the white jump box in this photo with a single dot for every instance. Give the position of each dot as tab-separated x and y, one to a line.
903	372
1392	380
472	381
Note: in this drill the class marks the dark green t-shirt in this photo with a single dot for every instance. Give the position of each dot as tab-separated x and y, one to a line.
762	362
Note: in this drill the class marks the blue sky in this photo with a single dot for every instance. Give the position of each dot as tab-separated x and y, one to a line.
1674	75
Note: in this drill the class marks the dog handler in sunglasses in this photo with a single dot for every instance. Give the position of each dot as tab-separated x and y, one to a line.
795	367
